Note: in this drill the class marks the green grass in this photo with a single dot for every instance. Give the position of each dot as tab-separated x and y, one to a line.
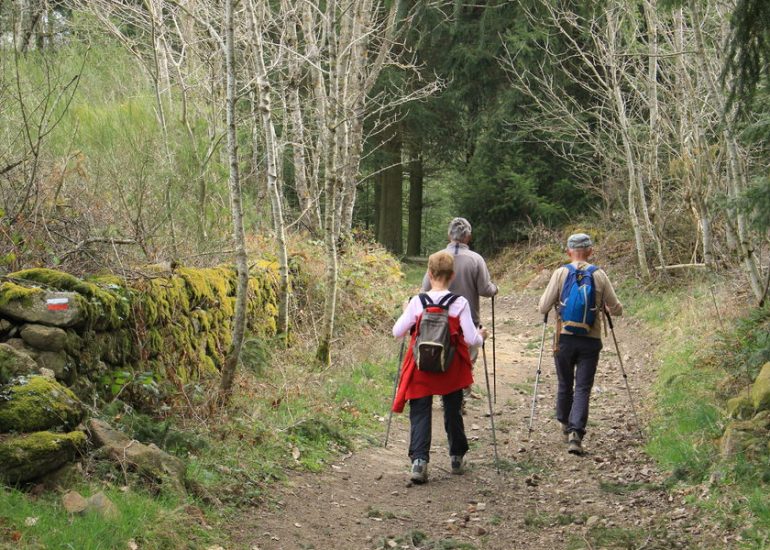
287	419
701	367
148	520
301	426
413	275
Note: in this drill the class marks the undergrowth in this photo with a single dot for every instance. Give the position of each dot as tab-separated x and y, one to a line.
711	344
287	413
144	519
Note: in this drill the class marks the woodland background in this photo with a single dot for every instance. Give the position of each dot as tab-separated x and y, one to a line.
315	134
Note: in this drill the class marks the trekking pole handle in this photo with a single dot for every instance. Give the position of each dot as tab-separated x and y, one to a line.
545	318
609	319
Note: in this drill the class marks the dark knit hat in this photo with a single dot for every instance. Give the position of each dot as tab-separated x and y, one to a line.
579	240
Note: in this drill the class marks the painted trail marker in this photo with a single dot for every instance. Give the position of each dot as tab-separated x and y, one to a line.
58	304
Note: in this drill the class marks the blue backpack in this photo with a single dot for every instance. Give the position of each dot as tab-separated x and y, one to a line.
578	300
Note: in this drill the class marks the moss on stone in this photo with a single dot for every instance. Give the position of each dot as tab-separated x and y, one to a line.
12	292
37	403
104	308
760	390
14	363
740	407
30	456
178	323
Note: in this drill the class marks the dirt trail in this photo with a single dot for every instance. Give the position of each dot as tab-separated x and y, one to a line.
543	497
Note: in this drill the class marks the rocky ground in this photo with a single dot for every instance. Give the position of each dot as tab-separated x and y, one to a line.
542	497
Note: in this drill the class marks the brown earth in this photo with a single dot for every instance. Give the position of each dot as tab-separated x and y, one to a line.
542	498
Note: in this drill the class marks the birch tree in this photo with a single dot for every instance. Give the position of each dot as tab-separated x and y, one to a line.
272	156
236	208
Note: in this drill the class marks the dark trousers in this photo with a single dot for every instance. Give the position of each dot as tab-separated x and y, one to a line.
421	419
575	367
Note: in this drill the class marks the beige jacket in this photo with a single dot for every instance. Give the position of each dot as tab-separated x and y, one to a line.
605	295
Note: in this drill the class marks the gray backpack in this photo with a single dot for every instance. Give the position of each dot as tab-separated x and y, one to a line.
433	350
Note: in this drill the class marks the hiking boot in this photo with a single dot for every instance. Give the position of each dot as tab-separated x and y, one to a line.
564	432
419	471
458	468
575	445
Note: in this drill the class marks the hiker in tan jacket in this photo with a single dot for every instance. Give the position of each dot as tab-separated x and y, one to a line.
577	355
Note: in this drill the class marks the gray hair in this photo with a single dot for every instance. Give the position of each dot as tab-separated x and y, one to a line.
459	229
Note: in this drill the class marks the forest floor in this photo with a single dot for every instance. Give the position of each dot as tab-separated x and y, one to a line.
543	498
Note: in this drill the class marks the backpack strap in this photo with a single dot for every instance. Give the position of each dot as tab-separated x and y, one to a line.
425	301
447	300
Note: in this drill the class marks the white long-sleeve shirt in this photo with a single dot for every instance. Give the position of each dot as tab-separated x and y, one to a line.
459	308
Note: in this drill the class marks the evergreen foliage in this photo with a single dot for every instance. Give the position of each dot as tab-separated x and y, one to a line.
748	50
501	179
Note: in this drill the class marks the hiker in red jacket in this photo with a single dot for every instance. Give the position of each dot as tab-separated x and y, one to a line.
418	386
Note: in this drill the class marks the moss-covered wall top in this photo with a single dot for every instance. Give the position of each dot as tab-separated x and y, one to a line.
103	332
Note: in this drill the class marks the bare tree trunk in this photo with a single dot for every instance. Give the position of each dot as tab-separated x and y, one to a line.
736	174
623	126
273	183
236	206
306	187
328	118
414	233
391	211
653	169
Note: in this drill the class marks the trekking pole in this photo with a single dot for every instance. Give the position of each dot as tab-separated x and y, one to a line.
623	370
491	412
537	378
494	363
716	308
395	388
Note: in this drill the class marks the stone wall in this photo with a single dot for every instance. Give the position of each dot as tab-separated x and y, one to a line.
748	431
65	340
107	334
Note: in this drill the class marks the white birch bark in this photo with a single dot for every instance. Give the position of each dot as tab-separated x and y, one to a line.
635	195
273	183
236	207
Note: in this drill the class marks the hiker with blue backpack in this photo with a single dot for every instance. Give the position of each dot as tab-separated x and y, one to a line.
580	292
437	362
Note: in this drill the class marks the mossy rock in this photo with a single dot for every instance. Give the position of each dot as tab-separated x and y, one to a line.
760	390
34	308
43	337
31	456
37	403
740	407
117	347
61	364
14	362
15	293
104	308
745	437
150	461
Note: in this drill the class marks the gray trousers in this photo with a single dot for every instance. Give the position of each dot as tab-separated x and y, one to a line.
575	368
